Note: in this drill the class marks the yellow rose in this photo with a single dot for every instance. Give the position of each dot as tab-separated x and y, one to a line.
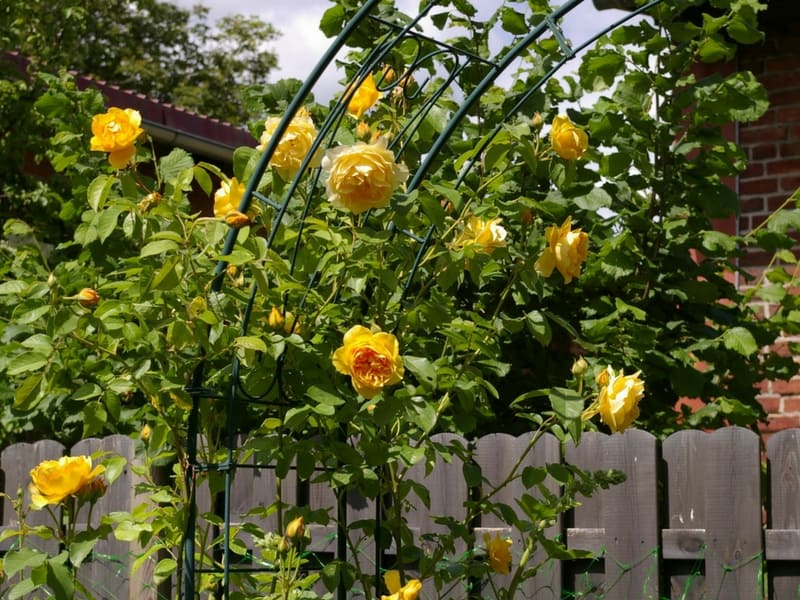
116	132
362	176
497	550
294	145
410	591
52	481
482	235
295	528
566	251
567	140
88	297
618	400
371	359
363	98
228	197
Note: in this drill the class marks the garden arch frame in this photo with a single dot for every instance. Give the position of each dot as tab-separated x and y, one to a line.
394	34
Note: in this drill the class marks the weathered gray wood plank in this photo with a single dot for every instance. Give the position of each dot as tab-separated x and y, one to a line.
685	537
733	515
108	572
16	463
497	455
783	536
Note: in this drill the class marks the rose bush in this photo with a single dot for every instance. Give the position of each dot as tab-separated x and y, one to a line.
418	305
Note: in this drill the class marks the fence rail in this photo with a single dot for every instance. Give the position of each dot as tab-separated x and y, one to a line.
696	517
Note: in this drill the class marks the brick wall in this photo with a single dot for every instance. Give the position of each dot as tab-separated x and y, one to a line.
773	174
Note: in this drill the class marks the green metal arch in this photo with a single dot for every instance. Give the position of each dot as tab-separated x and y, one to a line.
396	34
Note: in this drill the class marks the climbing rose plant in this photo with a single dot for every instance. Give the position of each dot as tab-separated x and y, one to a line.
363	347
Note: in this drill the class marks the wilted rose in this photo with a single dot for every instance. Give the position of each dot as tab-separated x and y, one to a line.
116	132
295	144
567	140
52	481
482	235
566	251
371	359
362	176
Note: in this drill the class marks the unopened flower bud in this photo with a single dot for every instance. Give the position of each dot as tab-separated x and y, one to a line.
237	219
295	528
145	433
537	121
579	367
88	297
93	491
283	544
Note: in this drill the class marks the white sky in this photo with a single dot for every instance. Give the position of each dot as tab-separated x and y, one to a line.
301	43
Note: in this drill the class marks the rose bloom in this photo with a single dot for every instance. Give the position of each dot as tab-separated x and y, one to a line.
482	235
362	176
410	591
88	297
567	140
566	251
116	132
294	145
498	552
371	359
52	481
618	401
364	97
228	197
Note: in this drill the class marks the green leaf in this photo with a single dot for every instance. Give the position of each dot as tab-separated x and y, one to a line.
514	22
25	558
107	222
98	191
27	361
171	165
323	397
539	327
27	394
422	368
249	342
740	340
158	247
331	24
81	546
532	476
164	569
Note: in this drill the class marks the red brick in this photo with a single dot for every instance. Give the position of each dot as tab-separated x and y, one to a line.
770	403
786	388
763	151
776	202
789	115
768	118
752	187
753	259
789	183
755	135
791	404
789	149
753	170
783	166
782	64
780	422
784	97
776	81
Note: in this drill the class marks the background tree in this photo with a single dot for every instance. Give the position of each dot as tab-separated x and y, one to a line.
156	48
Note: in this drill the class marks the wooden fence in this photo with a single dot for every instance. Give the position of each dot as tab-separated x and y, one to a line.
696	518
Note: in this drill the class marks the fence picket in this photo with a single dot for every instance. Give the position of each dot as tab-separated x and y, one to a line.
497	454
16	463
684	538
733	496
783	534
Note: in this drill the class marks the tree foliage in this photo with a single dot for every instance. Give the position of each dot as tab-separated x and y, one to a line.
155	48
